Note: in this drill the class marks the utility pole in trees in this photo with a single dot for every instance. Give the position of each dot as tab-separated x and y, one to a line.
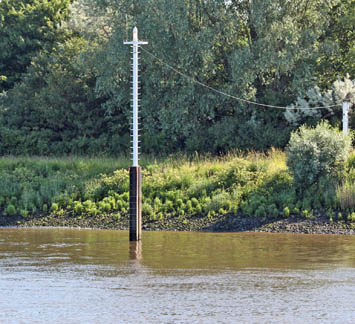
346	105
135	172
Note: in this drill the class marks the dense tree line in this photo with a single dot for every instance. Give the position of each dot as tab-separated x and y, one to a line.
26	28
65	73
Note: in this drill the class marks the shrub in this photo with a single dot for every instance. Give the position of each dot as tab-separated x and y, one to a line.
286	212
104	206
87	204
45	208
169	206
260	212
313	153
78	207
273	211
54	207
221	211
157	203
198	209
189	208
125	196
120	204
147	210
24	213
330	214
219	201
307	213
111	202
10	210
194	202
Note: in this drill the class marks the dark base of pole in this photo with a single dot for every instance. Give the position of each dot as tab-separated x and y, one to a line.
135	203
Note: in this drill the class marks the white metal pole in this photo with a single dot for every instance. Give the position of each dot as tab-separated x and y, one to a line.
135	97
346	117
135	45
135	172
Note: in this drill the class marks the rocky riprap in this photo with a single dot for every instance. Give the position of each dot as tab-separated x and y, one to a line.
225	223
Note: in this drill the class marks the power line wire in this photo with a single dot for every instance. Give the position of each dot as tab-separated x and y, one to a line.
229	95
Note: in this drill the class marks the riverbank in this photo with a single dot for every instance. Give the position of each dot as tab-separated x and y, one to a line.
295	225
253	192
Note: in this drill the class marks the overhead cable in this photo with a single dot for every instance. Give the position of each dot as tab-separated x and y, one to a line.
231	96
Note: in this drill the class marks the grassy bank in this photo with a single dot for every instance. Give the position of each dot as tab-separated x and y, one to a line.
236	192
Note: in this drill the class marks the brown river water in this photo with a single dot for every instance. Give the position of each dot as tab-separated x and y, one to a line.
68	276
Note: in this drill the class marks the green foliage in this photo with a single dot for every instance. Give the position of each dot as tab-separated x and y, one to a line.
88	205
341	37
24	213
345	195
307	213
67	84
340	91
54	207
45	208
286	212
351	161
90	21
26	28
147	210
265	51
316	153
340	216
78	207
54	110
10	210
252	186
33	183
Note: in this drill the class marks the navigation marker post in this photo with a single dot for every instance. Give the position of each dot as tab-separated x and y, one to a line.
135	172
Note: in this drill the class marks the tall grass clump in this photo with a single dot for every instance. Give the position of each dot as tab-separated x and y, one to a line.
345	195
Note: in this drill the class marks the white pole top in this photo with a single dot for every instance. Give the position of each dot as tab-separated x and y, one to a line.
135	34
135	40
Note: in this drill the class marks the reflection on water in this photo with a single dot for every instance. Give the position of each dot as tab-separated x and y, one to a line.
135	250
89	276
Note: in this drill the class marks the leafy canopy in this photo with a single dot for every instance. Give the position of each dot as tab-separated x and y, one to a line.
26	28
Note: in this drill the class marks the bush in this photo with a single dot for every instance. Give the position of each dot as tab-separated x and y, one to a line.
54	207
286	212
315	153
78	207
147	210
24	213
10	210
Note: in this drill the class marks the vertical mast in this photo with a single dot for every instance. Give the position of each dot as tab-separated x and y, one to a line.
135	46
135	98
135	172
